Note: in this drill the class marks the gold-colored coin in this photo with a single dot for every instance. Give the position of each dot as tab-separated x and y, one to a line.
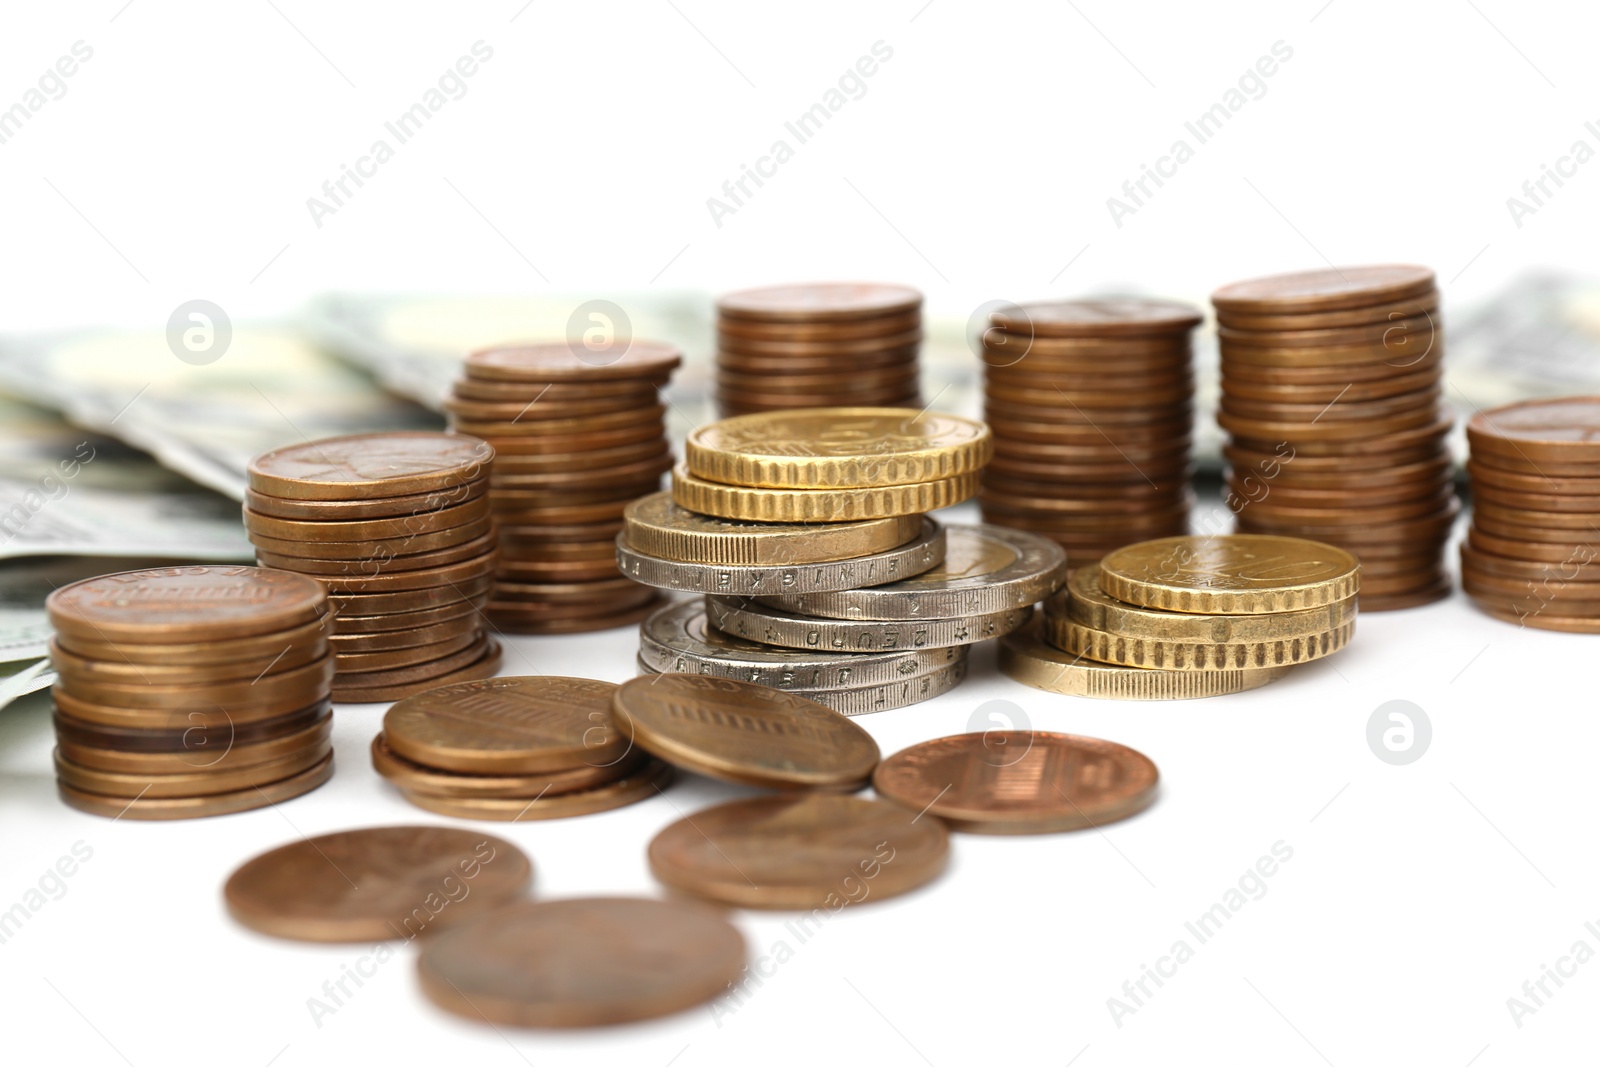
837	448
1192	655
1025	656
1231	574
818	505
1087	603
745	733
658	527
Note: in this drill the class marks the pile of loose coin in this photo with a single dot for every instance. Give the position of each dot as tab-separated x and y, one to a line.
1190	616
577	433
805	531
190	691
1530	553
1331	395
831	344
397	528
1092	407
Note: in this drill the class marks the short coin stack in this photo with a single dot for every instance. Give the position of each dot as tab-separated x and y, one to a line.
514	749
1331	395
1092	407
1530	554
1190	616
577	434
823	345
396	526
190	691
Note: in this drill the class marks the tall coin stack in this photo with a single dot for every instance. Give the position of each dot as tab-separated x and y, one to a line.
1331	395
577	435
190	691
1092	407
822	575
1530	553
1190	616
396	526
829	344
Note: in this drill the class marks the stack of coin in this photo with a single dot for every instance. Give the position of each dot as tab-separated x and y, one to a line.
514	749
190	691
1331	395
1190	616
823	345
1530	552
1092	405
397	527
577	435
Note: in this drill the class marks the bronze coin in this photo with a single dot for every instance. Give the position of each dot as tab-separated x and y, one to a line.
397	639
1363	513
308	682
799	852
1064	439
584	480
406	600
372	508
1563	520
1437	590
1580	567
1344	409
381	549
538	408
198	712
1037	422
577	441
1148	392
829	347
576	463
526	598
1575	549
414	777
1272	460
382	580
376	687
376	884
265	665
326	570
804	330
842	379
558	361
1546	586
887	396
1536	502
1303	432
1543	620
1274	474
411	665
404	621
1103	317
1409	532
400	526
352	664
260	649
1332	289
182	605
1483	474
557	571
650	778
196	759
1017	388
1403	339
1356	494
145	809
1329	377
513	498
515	618
515	538
1562	430
618	421
1405	443
181	732
820	302
1348	391
641	389
202	782
1019	781
397	463
1425	304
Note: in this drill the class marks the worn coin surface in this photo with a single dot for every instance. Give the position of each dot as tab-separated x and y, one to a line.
1325	290
1230	574
180	605
754	621
397	463
1019	781
1025	656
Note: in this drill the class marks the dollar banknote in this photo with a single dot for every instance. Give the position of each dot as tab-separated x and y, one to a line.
1538	337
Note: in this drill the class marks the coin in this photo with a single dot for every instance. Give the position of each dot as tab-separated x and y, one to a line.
444	518
1086	603
818	332
1235	574
887	696
373	552
617	422
157	809
646	781
406	668
515	618
1019	781
1392	311
193	756
286	657
583	962
641	390
919	556
1561	430
1108	317
1325	290
181	732
1026	657
817	505
180	605
744	733
410	638
354	624
556	361
1172	655
752	620
819	302
376	884
416	778
382	686
371	508
1484	475
397	463
307	684
799	852
324	570
190	782
658	527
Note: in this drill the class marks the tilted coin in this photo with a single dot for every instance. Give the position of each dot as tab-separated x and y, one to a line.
1088	604
583	962
415	778
1171	655
480	660
643	781
918	556
1561	430
754	621
1025	656
678	640
658	527
1325	290
746	733
985	569
1019	781
158	809
819	302
1230	574
837	448
801	852
177	605
817	505
397	463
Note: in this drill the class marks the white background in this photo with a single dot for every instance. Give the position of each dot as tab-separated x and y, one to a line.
976	166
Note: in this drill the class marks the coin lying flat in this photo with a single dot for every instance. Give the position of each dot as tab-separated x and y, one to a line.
819	302
985	569
754	621
802	852
817	505
359	466
582	962
644	780
1171	655
1325	290
869	698
1025	656
376	884
189	781
744	733
658	527
160	809
1019	781
413	777
178	605
555	361
1230	574
1086	603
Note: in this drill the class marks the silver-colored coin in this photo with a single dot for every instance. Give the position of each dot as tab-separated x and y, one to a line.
923	553
748	618
985	569
678	640
864	700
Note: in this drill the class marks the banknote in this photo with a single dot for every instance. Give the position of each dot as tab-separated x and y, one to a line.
1537	337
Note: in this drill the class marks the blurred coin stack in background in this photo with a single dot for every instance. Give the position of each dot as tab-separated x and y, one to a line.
1190	616
396	527
577	434
829	344
1092	407
1331	397
190	691
1530	553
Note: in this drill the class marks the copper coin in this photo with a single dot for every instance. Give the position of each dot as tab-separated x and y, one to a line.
403	621
207	781
1018	388
597	424
411	665
647	780
1324	290
818	331
1063	439
537	408
1489	509
559	361
180	605
1273	460
576	463
1403	339
1563	430
1426	304
1568	552
516	619
641	389
1341	409
397	463
287	657
383	580
514	538
1483	474
1543	620
416	778
1166	492
199	759
1579	568
555	571
746	733
1408	532
381	549
182	733
260	648
144	809
586	480
1546	535
1536	502
1040	422
1349	390
352	664
325	570
1302	432
374	508
1151	391
1353	513
1274	473
1572	594
1105	317
1406	582
1019	781
830	347
376	884
379	687
1435	591
1287	492
509	496
1397	444
612	588
848	377
398	526
1329	377
310	680
424	635
172	711
799	852
577	441
515	596
820	302
1024	353
406	600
